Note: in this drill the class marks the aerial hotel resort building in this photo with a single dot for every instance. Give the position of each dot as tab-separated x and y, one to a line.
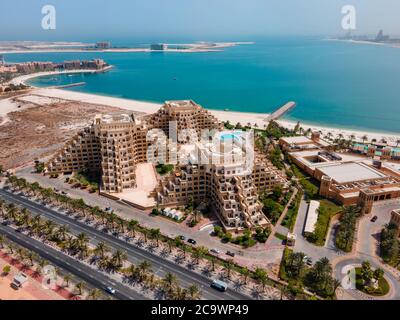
222	172
210	164
348	180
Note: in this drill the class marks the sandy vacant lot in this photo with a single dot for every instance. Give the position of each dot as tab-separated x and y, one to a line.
37	130
32	290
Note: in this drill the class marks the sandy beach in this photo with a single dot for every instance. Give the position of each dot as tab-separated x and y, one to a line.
24	78
255	119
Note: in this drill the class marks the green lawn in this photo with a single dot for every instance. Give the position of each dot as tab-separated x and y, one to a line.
164	168
291	215
280	236
326	211
309	184
383	285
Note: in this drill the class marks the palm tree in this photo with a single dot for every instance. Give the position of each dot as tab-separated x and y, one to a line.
284	291
11	211
199	253
2	241
261	275
111	219
31	256
132	225
132	271
169	281
179	294
336	284
94	294
62	232
34	187
228	265
194	292
11	248
49	227
67	279
245	273
121	223
80	205
2	207
170	242
364	138
145	233
21	254
212	261
155	234
119	258
79	287
144	267
101	249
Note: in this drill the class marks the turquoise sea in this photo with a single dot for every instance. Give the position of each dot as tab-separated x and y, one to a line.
334	83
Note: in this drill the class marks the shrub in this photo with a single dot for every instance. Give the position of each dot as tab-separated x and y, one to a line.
6	269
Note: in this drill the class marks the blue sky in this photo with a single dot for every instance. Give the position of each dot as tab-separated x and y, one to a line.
166	19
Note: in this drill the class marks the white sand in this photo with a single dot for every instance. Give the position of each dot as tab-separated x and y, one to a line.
233	117
24	78
146	107
6	106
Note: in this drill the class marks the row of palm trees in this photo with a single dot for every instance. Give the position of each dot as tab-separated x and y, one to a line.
101	255
30	259
131	229
346	231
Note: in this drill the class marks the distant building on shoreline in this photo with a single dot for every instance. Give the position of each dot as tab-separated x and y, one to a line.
158	47
38	66
381	37
103	45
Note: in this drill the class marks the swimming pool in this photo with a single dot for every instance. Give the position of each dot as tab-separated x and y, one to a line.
230	136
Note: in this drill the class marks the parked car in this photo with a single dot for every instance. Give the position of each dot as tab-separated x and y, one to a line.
191	241
110	290
374	218
309	261
230	253
19	280
215	251
182	237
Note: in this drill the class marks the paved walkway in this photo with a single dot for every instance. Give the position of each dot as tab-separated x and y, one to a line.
278	228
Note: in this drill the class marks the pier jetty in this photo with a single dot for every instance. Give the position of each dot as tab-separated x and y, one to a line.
281	111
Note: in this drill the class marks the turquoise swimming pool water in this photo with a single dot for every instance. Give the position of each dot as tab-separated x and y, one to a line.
230	136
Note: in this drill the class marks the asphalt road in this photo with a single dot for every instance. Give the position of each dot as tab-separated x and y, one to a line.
160	265
71	265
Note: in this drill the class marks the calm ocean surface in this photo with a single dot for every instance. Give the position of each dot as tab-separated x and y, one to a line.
334	83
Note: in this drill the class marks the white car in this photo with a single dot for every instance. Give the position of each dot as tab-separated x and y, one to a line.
110	290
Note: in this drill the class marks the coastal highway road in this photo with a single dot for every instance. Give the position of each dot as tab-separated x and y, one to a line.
160	265
71	265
